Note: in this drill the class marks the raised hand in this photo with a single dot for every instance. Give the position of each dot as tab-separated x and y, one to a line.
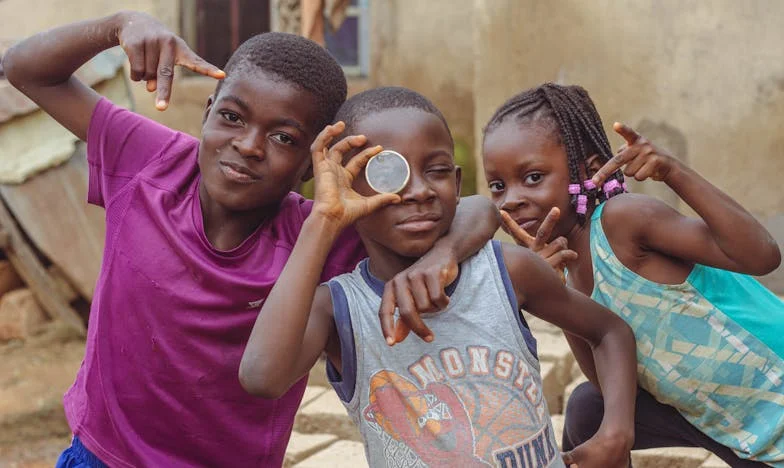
642	159
334	197
556	252
153	51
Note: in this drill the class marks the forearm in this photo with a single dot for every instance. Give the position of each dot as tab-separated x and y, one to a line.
616	370
584	356
50	58
274	353
736	232
475	223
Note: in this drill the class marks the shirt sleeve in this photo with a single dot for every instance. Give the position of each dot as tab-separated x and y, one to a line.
120	143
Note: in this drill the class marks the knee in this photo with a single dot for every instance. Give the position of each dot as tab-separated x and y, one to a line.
584	413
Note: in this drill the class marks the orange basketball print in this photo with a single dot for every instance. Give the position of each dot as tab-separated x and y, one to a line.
431	421
501	415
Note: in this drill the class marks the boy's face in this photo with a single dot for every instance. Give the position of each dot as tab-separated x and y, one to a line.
429	201
528	174
256	139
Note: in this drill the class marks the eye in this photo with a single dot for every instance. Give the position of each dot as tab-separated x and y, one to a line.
231	117
496	186
283	138
533	178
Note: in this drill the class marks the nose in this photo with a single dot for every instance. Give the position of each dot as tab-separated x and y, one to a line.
249	145
418	190
513	199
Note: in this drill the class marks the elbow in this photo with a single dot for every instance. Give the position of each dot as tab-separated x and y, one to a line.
254	382
769	259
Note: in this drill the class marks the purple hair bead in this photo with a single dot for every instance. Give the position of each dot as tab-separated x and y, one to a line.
574	189
589	185
611	185
582	204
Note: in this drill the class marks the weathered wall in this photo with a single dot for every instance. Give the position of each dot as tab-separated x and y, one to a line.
705	78
428	46
21	18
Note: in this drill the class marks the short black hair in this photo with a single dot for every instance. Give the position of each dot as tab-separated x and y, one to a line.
295	60
572	115
384	98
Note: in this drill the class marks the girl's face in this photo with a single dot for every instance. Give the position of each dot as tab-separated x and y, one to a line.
528	174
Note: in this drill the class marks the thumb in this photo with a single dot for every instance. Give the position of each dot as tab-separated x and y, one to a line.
381	200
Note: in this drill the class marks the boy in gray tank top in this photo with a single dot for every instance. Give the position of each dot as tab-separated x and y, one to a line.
470	393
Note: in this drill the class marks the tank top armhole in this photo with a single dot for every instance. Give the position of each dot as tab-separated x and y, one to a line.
343	380
530	341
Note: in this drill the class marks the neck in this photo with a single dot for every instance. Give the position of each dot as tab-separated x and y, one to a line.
384	264
579	240
227	229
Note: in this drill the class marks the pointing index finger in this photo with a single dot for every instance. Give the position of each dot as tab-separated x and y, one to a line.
628	133
193	62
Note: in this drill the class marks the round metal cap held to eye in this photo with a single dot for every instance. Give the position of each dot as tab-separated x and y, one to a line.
387	172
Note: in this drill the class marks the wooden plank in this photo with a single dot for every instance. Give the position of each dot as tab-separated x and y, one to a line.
51	209
26	263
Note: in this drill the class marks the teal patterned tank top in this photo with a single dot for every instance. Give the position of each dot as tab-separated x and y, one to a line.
711	347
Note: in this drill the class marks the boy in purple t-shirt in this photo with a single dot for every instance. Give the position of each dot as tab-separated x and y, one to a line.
197	234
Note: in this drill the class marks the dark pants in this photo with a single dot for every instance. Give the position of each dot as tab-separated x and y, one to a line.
655	425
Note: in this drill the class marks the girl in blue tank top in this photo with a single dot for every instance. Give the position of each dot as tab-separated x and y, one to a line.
710	343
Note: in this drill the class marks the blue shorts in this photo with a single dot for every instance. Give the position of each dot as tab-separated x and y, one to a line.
77	456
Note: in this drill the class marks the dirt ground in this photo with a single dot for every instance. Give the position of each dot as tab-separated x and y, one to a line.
33	377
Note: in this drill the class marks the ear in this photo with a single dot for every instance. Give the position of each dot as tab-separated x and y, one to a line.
208	108
459	176
593	163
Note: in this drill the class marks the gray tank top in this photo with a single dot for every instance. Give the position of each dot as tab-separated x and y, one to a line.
471	398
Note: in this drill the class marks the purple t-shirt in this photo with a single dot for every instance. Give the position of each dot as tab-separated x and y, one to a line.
171	314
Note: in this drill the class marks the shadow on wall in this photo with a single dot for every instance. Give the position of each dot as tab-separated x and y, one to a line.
775	280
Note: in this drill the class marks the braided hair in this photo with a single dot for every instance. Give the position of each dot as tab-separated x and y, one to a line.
570	110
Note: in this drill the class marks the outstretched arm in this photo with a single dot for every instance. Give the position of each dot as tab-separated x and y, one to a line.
295	324
541	293
726	235
43	65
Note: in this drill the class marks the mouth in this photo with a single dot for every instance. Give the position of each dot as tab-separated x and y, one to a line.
527	224
238	173
421	222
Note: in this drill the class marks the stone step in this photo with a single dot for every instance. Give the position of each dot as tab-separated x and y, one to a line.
670	457
301	446
338	455
325	414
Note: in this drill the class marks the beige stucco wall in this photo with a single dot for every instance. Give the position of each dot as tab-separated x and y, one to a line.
21	18
427	46
705	78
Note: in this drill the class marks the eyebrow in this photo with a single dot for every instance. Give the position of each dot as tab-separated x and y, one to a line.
246	108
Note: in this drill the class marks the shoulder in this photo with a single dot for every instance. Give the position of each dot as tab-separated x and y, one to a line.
631	213
528	272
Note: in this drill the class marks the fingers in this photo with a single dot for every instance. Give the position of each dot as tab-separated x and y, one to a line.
188	59
386	314
376	202
408	312
339	149
648	170
560	259
165	77
359	161
626	132
401	331
324	138
136	61
546	229
615	163
152	85
513	229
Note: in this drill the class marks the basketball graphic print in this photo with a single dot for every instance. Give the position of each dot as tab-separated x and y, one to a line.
431	421
499	415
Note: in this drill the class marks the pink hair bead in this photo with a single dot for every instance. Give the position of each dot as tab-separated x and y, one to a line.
589	185
574	189
611	185
582	204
